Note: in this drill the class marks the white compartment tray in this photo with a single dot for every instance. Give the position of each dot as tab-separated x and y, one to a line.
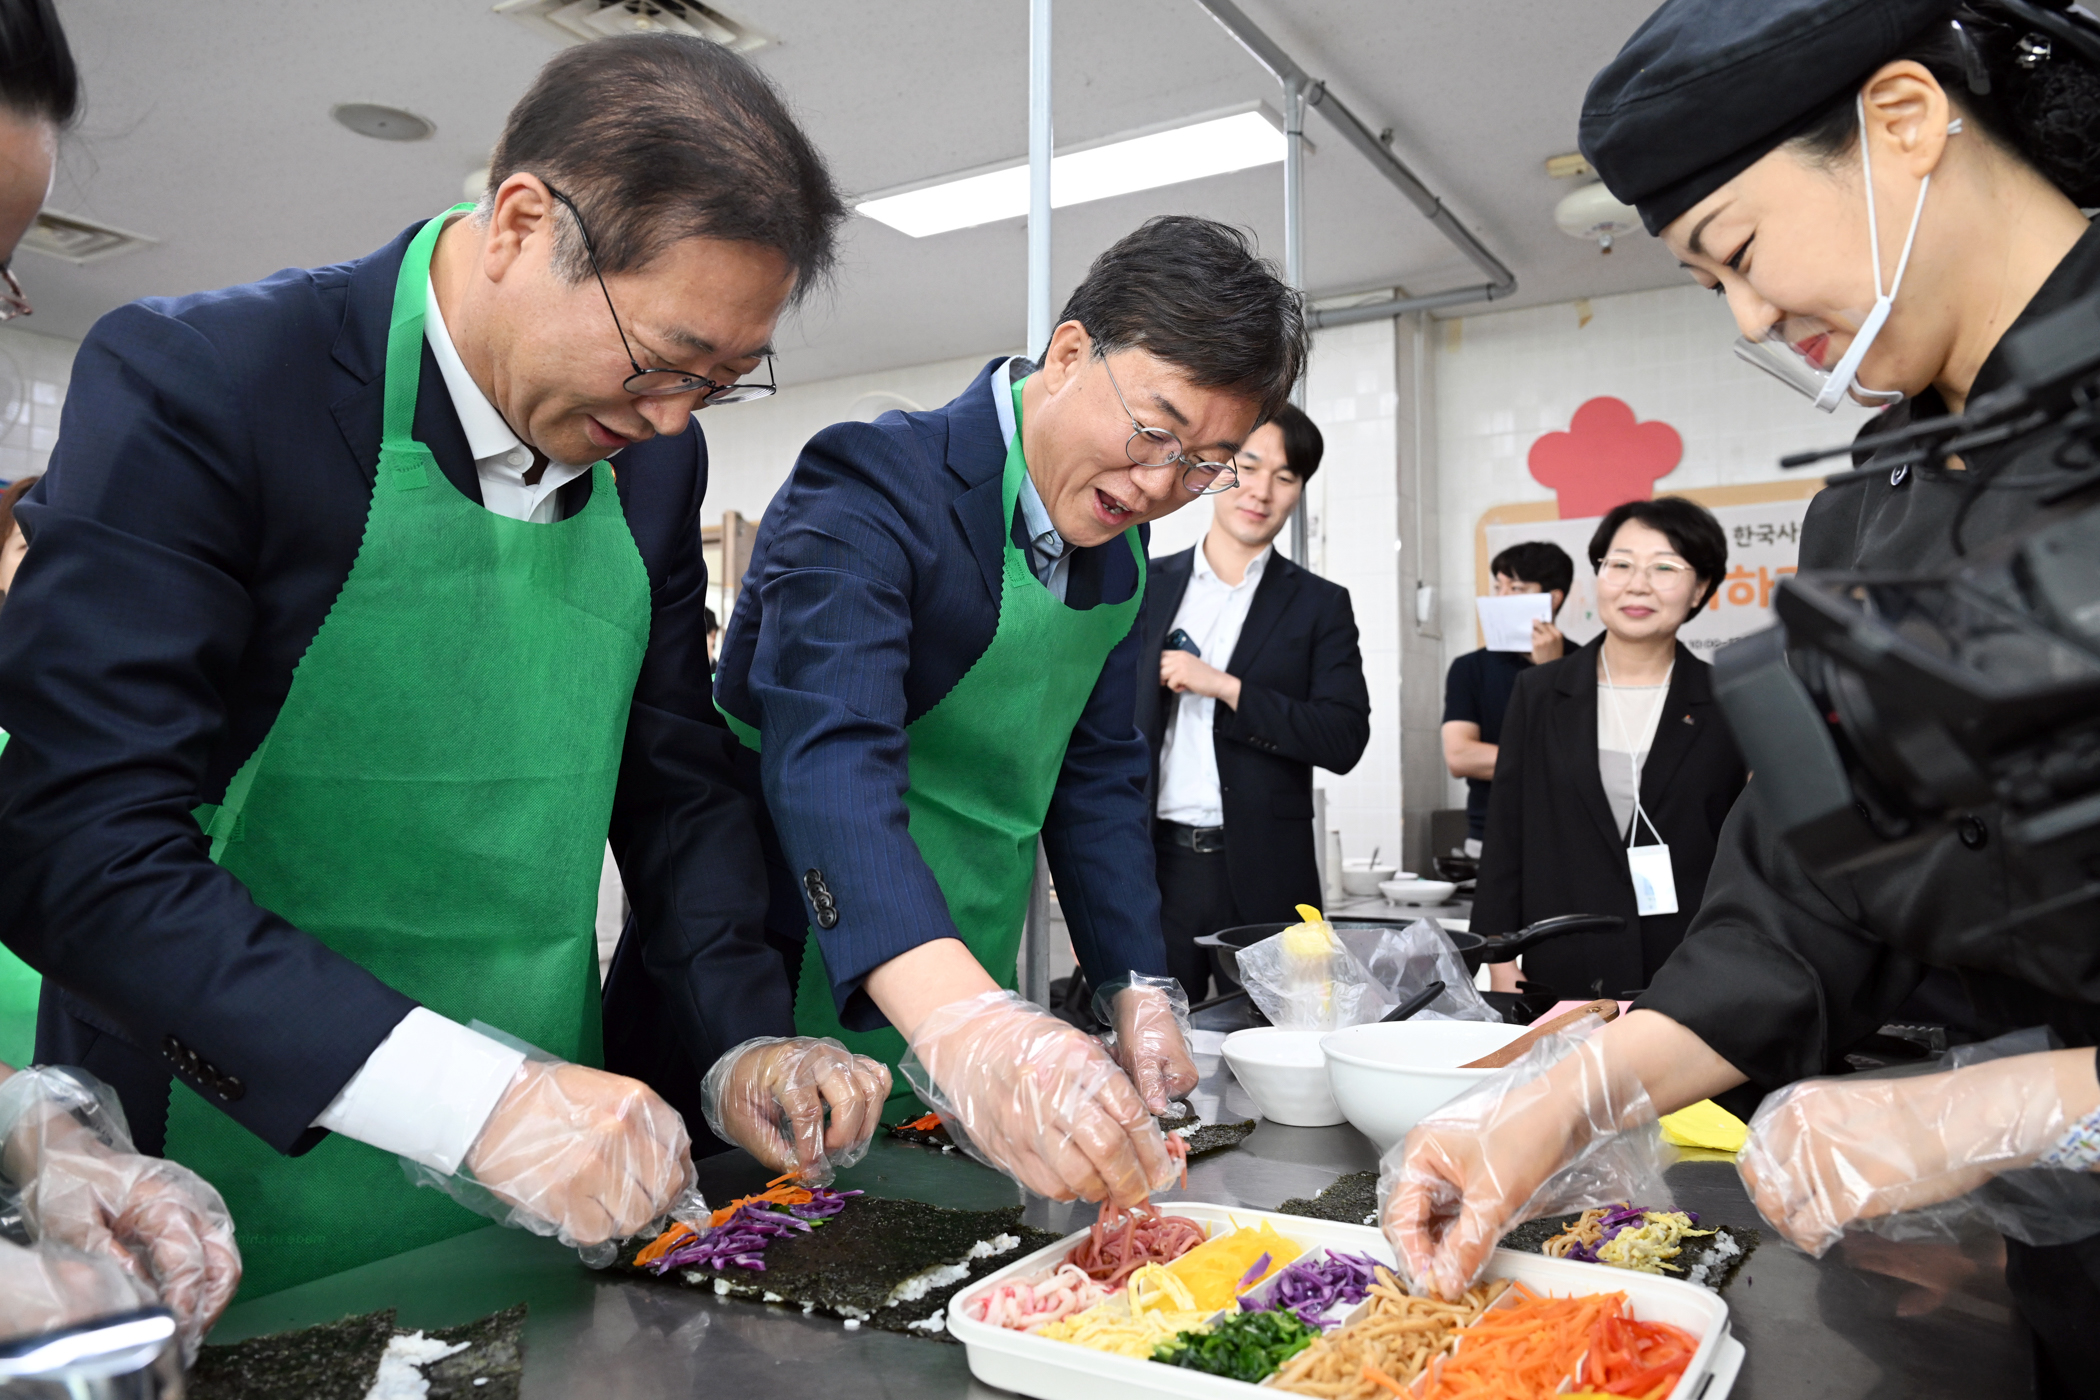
1048	1370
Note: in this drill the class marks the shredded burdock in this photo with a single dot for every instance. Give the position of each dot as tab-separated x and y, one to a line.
1383	1351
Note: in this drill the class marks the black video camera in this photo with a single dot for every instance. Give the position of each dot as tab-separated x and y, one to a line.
1886	708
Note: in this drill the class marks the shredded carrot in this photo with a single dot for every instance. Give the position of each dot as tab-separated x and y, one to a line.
1378	1377
778	1192
921	1125
1523	1352
663	1244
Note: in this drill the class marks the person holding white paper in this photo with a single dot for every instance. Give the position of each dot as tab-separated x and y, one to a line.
1477	687
1615	770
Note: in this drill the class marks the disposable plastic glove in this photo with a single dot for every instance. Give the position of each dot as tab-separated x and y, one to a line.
1825	1154
68	1154
770	1094
1038	1099
1564	1128
49	1286
1150	1020
577	1153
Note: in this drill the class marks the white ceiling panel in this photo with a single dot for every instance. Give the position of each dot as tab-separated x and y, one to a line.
207	128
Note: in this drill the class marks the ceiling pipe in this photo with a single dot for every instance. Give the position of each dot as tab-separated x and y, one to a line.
1041	147
1502	282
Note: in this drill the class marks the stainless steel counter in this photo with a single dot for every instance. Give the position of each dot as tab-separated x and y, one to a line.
1812	1328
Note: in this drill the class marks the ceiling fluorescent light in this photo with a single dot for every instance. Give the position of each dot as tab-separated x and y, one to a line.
1214	147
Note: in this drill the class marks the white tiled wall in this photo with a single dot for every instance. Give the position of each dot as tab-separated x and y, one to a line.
1504	378
1354	501
751	447
34	371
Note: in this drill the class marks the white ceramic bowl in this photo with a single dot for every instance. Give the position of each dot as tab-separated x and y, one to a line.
1388	1077
1360	877
1285	1073
1417	891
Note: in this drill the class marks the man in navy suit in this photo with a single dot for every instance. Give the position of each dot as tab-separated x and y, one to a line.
934	654
1257	680
339	649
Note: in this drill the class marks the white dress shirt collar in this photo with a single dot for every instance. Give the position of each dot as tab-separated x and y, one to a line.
500	459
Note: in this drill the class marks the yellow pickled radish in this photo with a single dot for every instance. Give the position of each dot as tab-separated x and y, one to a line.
1212	1270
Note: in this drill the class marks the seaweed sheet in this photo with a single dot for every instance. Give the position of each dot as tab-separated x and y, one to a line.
1531	1237
849	1265
1205	1139
1350	1200
1216	1137
339	1360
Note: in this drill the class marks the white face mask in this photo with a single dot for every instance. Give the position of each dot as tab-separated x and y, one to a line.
1790	351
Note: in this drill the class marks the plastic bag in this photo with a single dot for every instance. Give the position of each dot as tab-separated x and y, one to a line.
68	1165
1405	960
570	1163
1307	979
1565	1128
2035	1205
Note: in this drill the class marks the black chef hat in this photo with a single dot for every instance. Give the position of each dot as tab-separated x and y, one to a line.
1706	88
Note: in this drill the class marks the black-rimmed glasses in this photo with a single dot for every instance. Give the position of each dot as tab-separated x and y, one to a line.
12	302
643	383
1156	447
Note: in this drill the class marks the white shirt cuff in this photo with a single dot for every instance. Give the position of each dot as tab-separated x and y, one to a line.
426	1091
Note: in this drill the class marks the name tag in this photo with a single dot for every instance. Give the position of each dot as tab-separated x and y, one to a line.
1654	887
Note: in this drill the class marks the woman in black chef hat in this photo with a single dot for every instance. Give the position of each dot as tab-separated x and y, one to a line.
1881	189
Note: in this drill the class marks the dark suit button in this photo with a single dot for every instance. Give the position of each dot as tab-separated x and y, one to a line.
827	917
1974	834
230	1088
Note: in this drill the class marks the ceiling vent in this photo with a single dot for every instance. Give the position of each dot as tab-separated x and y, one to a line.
579	21
79	240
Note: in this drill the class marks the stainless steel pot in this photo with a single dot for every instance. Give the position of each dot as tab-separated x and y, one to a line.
129	1356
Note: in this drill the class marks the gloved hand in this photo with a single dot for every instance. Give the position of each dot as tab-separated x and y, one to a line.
1038	1099
1825	1154
1149	1017
577	1153
50	1286
769	1095
1562	1129
68	1155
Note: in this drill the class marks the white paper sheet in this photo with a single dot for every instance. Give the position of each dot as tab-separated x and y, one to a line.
1507	621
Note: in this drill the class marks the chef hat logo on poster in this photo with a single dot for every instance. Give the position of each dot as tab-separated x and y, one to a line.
1605	458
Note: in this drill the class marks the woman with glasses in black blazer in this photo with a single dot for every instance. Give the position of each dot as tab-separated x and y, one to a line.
1616	769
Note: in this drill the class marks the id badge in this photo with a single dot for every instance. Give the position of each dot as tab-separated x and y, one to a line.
1654	887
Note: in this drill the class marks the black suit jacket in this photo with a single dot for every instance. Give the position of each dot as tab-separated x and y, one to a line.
1552	846
204	505
1303	704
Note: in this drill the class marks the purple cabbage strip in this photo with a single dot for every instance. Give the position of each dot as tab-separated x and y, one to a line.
1625	1217
740	1240
1254	1273
1311	1287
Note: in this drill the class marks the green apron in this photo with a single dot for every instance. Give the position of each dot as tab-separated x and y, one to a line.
432	803
19	988
983	765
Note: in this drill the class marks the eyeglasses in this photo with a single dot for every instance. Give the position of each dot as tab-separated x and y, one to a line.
646	383
12	302
1662	574
1156	447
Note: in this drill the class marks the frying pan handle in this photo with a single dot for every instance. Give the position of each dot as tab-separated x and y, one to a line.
1501	947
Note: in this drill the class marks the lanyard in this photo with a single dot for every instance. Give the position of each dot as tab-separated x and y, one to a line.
1633	762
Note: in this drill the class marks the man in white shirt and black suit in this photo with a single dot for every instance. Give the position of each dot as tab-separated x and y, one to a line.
1260	680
